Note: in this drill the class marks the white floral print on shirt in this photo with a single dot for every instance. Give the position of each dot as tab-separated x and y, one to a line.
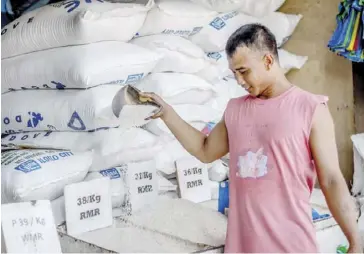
252	165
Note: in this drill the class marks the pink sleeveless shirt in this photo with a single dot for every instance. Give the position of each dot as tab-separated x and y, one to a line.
271	173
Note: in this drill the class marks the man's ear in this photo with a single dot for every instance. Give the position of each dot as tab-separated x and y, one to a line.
268	60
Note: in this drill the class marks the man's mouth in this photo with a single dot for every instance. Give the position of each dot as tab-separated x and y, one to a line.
247	88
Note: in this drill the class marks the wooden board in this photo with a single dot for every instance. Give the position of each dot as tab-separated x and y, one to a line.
324	73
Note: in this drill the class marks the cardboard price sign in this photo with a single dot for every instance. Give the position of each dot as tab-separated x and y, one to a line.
88	206
29	228
193	180
143	181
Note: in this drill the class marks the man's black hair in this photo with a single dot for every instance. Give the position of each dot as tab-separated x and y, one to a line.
254	36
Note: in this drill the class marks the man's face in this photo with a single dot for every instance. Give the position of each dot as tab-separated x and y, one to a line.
250	70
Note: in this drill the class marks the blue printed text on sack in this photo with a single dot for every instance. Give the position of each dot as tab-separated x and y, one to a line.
52	85
71	5
25	136
219	22
214	55
14	25
34	119
111	172
130	80
183	33
35	164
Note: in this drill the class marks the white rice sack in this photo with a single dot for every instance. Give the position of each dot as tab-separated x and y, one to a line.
214	36
358	177
165	159
72	23
227	88
289	61
83	66
281	25
160	129
118	147
74	141
179	54
40	174
117	183
176	17
218	70
260	8
66	110
215	72
256	8
178	88
215	186
216	32
59	210
197	115
219	171
164	185
105	142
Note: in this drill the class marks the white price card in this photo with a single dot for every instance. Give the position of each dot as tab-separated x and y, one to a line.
193	180
88	206
29	228
143	183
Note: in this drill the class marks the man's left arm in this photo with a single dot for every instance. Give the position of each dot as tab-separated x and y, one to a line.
331	180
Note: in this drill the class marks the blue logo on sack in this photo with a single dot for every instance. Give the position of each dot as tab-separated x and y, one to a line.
217	23
28	166
34	120
111	172
75	118
73	4
133	78
214	55
59	85
196	30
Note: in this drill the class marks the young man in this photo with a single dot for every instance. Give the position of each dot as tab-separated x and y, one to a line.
279	137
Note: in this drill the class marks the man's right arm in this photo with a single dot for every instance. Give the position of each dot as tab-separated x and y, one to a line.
205	148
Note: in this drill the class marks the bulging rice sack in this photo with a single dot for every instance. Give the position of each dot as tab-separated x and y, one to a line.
179	54
66	110
120	147
257	8
197	115
82	66
112	146
215	34
72	22
175	17
178	88
40	174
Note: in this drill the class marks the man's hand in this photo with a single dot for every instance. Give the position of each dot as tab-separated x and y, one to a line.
164	107
332	182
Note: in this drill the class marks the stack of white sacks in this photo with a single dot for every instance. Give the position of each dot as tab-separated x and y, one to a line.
63	64
61	68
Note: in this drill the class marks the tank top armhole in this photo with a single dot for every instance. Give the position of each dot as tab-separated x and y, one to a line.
316	101
226	112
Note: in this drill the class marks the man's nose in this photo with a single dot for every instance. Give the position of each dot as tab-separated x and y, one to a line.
240	80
